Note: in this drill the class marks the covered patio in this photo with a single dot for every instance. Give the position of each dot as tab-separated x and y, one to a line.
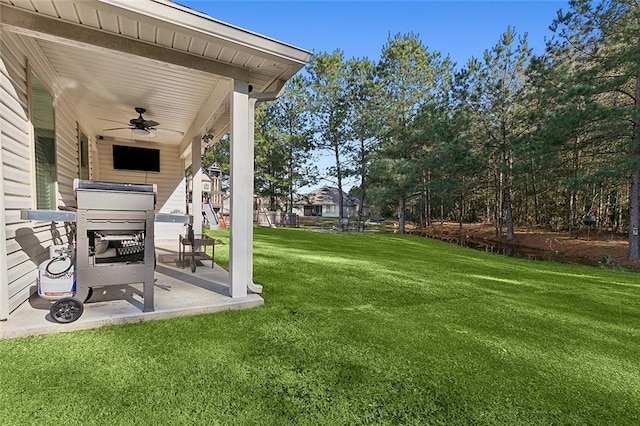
101	62
178	292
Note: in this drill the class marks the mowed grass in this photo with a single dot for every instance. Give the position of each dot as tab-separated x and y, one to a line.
356	329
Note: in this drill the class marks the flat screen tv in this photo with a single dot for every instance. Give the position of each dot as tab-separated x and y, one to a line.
135	158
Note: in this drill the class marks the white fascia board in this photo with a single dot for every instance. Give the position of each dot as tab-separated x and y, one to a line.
205	26
43	27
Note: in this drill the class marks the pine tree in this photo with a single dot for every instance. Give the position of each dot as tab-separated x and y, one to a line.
286	127
363	103
331	112
602	39
407	74
496	96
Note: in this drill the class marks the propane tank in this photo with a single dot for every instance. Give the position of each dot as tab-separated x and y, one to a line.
56	275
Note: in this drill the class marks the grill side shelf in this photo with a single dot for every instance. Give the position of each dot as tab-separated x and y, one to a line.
70	216
48	215
173	218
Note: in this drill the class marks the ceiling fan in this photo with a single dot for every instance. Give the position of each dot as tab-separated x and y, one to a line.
141	127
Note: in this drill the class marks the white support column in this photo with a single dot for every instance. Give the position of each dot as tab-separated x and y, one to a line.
255	288
196	184
241	246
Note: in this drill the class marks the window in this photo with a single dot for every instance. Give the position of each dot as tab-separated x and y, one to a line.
83	142
42	119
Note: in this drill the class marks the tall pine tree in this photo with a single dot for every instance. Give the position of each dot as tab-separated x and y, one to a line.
603	41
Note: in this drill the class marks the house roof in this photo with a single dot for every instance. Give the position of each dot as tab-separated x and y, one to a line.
327	195
179	64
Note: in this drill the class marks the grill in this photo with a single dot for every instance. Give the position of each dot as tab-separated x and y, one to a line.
122	215
114	239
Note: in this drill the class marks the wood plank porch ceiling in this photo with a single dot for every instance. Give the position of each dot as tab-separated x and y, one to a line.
109	84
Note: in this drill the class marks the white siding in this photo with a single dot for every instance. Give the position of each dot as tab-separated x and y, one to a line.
170	181
67	158
21	239
27	242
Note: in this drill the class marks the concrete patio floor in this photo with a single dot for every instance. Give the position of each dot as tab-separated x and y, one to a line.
177	292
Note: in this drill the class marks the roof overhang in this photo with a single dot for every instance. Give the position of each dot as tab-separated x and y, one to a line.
114	55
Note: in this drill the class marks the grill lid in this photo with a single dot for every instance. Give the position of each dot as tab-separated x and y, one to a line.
94	195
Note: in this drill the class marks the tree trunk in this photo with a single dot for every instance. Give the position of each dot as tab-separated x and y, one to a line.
363	181
461	215
424	221
634	210
508	208
618	219
336	153
601	214
634	200
525	212
290	186
361	204
536	205
498	202
487	206
401	209
573	202
428	206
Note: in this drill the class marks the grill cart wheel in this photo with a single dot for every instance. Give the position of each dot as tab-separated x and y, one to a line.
66	310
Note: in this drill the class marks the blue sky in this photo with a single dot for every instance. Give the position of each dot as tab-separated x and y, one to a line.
461	29
360	28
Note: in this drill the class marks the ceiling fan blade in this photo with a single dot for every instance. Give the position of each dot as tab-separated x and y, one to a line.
161	130
117	128
113	121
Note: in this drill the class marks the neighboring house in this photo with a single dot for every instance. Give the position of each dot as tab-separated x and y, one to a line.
324	202
71	74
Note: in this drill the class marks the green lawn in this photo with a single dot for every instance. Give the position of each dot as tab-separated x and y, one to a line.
356	329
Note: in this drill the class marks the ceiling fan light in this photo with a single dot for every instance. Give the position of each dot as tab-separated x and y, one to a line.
142	133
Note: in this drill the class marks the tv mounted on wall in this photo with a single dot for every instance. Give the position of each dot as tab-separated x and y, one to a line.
136	158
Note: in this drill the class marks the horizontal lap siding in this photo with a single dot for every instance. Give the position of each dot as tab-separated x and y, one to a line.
16	170
170	181
28	241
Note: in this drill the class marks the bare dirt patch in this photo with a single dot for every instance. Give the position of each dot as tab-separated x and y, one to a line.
603	248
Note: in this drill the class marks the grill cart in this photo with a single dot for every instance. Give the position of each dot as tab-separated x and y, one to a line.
114	240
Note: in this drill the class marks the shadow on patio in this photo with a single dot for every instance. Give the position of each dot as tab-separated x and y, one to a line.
177	292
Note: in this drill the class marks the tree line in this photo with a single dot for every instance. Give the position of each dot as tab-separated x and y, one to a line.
510	138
